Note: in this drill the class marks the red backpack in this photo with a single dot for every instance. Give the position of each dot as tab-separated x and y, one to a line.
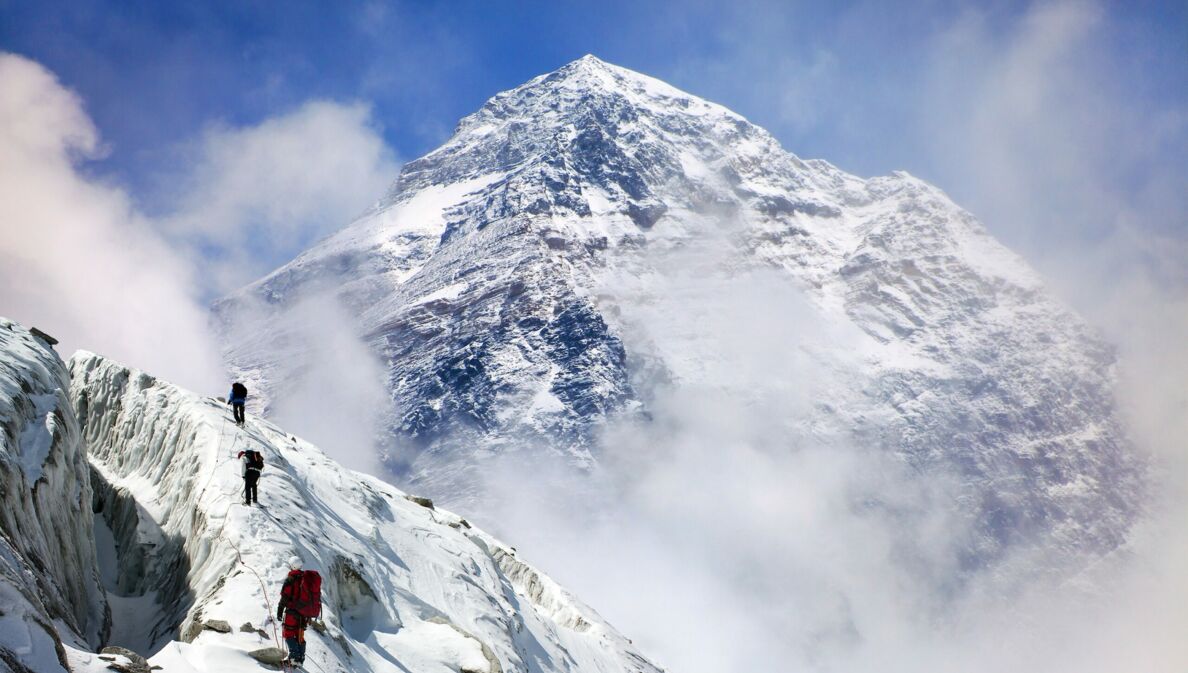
307	594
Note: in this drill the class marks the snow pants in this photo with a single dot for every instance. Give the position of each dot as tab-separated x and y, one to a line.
296	646
249	486
237	410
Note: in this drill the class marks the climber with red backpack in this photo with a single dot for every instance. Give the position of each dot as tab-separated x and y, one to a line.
253	462
300	601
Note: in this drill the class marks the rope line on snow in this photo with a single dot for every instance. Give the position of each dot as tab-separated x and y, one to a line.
218	452
239	554
263	588
222	535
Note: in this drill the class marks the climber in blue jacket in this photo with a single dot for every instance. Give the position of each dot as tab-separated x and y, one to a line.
237	399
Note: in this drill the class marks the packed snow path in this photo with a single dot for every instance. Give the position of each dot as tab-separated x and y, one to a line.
406	587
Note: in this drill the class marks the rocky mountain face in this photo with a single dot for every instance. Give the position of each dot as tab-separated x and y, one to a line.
502	277
173	569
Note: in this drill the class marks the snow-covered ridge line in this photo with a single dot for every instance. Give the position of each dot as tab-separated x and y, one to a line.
407	587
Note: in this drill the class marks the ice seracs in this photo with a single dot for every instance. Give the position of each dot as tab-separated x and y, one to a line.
407	587
50	591
191	574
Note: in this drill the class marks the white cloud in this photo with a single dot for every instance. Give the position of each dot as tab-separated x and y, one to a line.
334	389
1046	132
721	536
722	533
718	552
256	196
76	258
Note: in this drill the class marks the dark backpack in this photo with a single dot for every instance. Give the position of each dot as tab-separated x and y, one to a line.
307	594
255	460
238	391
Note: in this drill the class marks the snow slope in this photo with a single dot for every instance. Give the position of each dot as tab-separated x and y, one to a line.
509	282
406	587
49	587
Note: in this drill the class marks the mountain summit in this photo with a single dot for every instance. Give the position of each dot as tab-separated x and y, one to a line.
518	285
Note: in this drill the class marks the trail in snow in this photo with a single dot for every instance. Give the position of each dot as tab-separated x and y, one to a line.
406	587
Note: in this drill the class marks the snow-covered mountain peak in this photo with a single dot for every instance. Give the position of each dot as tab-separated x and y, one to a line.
509	282
623	131
578	85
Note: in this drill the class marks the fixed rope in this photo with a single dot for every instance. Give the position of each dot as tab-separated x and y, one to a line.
221	535
219	451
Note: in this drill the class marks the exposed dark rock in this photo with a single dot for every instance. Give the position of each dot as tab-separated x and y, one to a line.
423	502
268	655
217	625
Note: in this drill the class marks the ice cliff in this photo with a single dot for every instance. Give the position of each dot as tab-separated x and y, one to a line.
50	589
191	574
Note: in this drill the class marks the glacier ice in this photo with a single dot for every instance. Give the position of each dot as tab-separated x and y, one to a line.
49	582
190	573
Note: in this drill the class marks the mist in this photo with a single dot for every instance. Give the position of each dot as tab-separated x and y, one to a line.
725	532
252	198
84	260
335	395
722	534
77	258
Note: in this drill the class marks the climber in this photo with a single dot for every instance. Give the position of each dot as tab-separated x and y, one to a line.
300	601
253	462
237	399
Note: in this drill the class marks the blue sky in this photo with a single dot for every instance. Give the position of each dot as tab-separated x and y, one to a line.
156	73
155	155
240	132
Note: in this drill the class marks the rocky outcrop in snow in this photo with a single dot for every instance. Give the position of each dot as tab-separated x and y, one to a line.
48	577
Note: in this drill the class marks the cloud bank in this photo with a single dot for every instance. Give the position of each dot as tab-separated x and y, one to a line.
82	260
719	550
723	535
253	197
76	257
